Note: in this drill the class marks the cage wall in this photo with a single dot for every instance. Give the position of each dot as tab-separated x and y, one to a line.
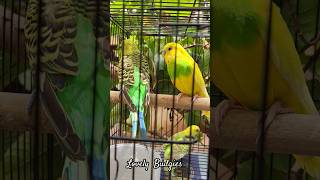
28	147
302	20
155	24
17	158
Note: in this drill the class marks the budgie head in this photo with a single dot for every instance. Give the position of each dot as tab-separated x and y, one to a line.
130	46
172	50
180	151
196	134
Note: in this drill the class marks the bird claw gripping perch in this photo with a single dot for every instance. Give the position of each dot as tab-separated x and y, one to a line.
195	97
275	109
222	109
179	96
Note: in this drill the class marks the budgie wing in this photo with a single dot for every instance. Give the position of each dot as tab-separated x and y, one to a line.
126	79
126	73
180	150
98	9
191	68
199	81
179	136
57	33
167	147
57	60
60	122
286	59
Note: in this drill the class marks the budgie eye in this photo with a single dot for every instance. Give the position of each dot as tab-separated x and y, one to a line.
169	49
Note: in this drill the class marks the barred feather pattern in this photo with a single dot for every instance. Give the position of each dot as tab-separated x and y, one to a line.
92	10
178	150
58	56
126	72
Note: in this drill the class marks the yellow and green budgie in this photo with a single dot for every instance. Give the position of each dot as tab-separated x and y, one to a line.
134	76
239	47
191	133
184	72
68	49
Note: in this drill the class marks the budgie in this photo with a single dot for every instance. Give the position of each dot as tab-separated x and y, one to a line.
180	150
74	84
134	77
187	75
240	32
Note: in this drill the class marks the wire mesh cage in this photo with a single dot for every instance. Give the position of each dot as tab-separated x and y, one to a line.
29	148
237	28
164	78
153	24
17	158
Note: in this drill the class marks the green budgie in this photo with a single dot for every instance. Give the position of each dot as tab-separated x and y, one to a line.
134	78
74	84
180	150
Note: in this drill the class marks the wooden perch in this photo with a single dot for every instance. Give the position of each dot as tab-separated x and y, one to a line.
288	133
14	115
165	100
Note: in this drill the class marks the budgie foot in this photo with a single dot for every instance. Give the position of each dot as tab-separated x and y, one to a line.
180	95
275	109
195	97
221	111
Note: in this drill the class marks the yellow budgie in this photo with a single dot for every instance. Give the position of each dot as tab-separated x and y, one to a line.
240	32
191	133
185	74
